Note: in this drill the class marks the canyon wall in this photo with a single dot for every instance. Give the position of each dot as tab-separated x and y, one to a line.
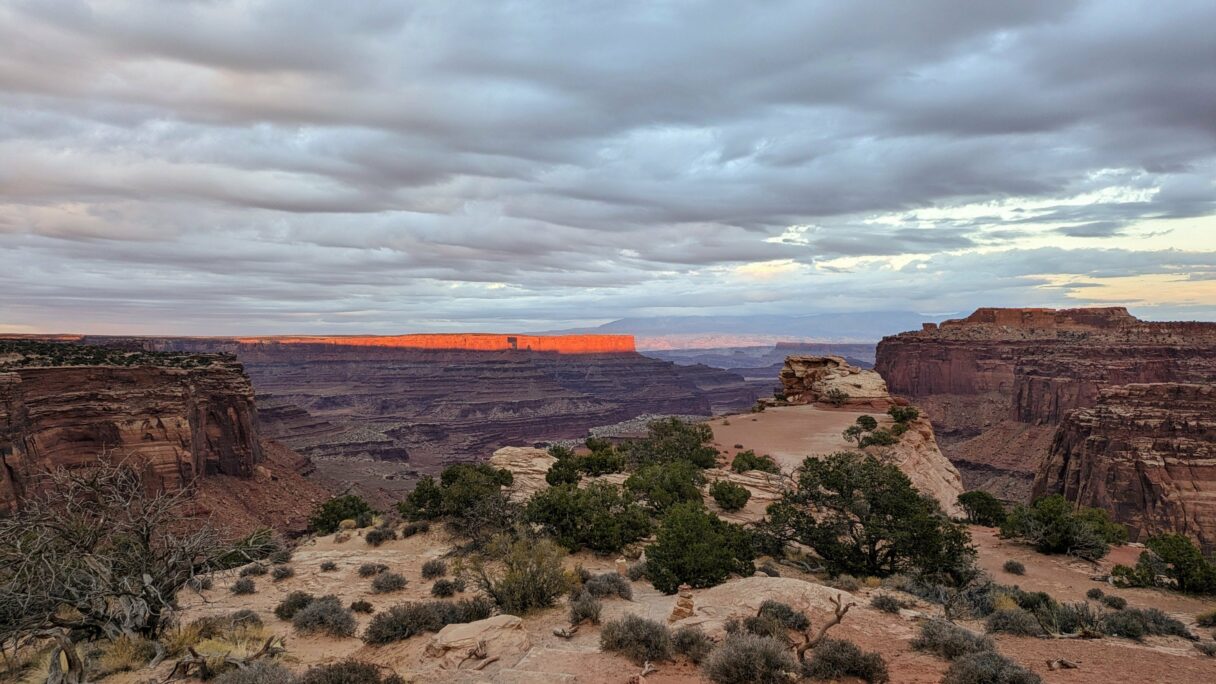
562	344
185	420
997	383
1145	452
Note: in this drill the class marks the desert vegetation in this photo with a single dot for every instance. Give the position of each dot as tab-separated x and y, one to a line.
1053	525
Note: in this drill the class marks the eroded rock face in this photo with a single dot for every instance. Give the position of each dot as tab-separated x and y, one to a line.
183	423
997	383
502	637
1144	452
811	379
528	466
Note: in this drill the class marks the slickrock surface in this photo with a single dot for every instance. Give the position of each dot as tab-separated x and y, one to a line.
1147	453
997	383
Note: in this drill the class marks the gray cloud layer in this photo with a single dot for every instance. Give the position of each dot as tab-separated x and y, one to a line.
217	167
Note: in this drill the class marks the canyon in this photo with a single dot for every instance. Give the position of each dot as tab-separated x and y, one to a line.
999	384
375	411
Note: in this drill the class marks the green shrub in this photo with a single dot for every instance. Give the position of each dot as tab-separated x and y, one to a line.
1013	621
469	496
887	603
328	516
903	414
1172	560
361	606
1207	619
258	672
879	437
729	495
243	587
1014	567
416	527
691	642
585	608
379	535
349	672
982	508
862	516
750	659
1114	602
672	439
1095	594
372	569
1053	525
280	556
836	396
867	423
563	471
748	460
598	517
834	659
329	566
292	604
847	583
1151	621
531	577
281	572
434	568
663	485
784	614
325	615
697	548
388	582
443	588
949	641
636	638
609	584
403	621
988	668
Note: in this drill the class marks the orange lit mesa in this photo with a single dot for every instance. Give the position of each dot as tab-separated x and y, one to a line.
562	344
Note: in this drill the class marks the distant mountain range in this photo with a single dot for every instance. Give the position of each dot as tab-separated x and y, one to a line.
708	332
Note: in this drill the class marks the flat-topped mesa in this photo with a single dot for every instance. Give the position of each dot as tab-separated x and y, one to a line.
831	380
1113	322
561	344
1144	452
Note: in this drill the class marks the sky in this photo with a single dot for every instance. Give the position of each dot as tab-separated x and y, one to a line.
289	166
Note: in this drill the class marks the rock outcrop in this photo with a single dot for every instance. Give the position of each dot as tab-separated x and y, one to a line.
997	383
501	637
182	421
186	420
741	598
815	379
1144	452
528	466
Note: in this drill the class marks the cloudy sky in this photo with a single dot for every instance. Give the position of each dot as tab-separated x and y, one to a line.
263	166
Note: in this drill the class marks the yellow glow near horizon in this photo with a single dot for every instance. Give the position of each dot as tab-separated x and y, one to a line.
1157	289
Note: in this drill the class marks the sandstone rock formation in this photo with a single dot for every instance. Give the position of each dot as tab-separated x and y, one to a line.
997	383
500	637
811	379
528	465
186	420
1146	453
183	423
562	344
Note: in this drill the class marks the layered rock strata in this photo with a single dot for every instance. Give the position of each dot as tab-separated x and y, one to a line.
997	383
1144	452
182	423
814	379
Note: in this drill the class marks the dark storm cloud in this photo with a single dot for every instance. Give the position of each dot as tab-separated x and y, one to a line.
193	164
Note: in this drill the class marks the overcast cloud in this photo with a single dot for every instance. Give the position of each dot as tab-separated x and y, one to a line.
219	167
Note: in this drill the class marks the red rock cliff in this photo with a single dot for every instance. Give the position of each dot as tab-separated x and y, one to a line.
183	422
1145	452
996	383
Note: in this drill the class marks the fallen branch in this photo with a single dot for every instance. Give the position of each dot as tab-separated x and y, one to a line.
809	642
1062	664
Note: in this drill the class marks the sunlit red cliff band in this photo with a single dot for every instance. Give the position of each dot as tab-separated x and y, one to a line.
562	344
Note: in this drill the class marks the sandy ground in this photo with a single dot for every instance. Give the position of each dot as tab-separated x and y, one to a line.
788	433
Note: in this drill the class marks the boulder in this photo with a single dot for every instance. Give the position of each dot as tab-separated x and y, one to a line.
501	636
810	379
528	465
